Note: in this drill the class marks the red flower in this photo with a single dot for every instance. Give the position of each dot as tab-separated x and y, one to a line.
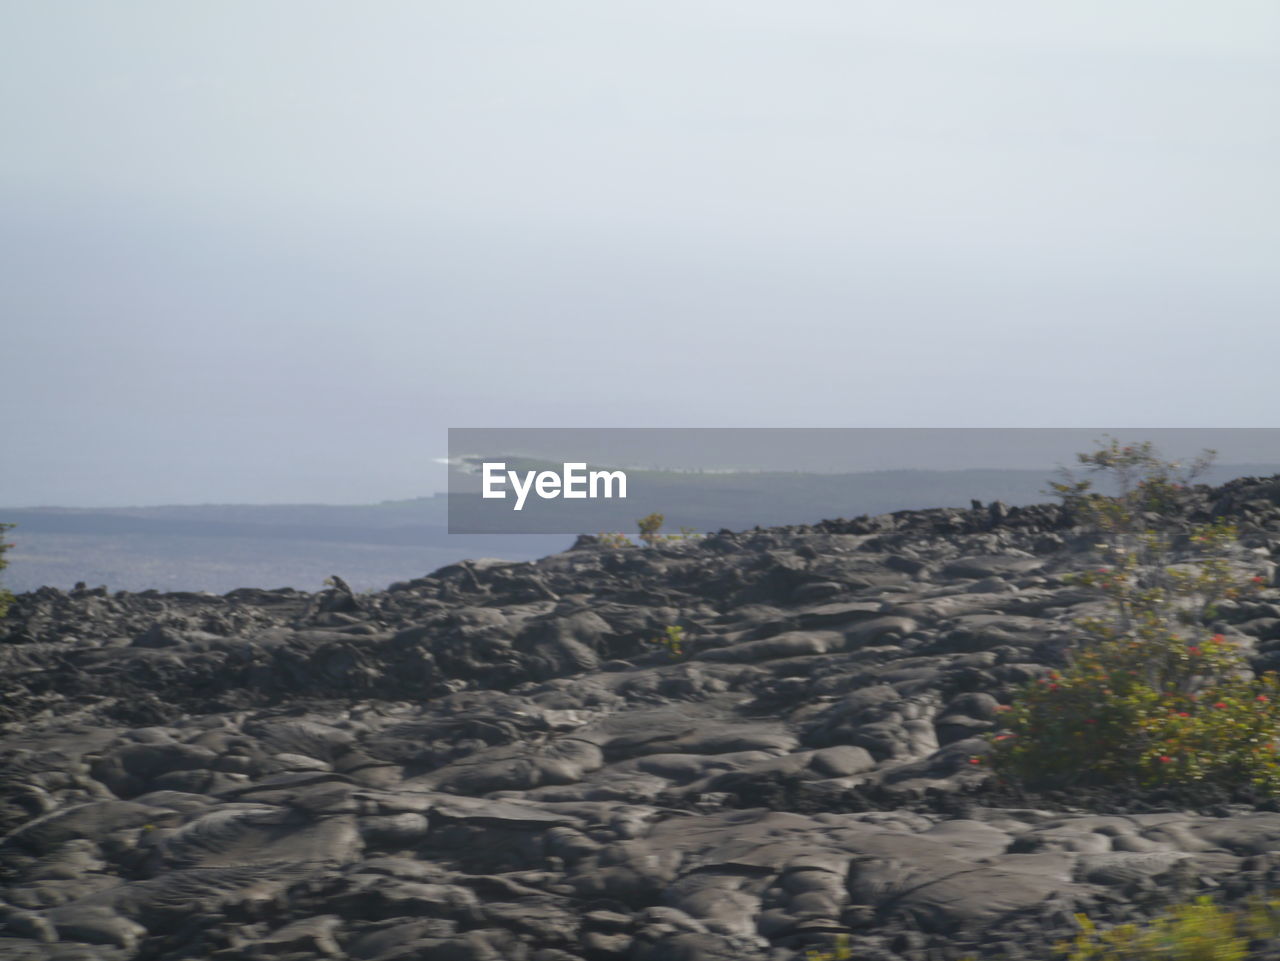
1262	698
1183	714
975	760
1165	759
1053	687
1090	720
1258	579
1193	651
1219	639
1220	705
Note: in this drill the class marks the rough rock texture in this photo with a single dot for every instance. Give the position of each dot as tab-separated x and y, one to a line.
497	762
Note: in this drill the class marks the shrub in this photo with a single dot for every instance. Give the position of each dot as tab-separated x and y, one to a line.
840	951
1198	931
672	640
1155	696
650	533
1148	489
5	597
652	524
649	527
1135	710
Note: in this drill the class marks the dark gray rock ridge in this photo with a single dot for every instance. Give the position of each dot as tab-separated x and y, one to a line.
497	761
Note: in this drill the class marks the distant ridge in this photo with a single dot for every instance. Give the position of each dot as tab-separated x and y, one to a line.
219	547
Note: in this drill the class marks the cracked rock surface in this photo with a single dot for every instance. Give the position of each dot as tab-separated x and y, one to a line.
497	763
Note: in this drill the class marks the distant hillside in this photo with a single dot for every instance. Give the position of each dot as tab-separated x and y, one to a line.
734	501
219	547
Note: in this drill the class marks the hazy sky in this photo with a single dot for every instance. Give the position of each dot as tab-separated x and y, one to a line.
269	251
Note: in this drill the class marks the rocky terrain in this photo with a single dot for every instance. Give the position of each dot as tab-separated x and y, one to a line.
497	763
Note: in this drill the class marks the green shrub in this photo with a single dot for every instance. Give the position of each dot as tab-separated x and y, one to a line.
650	533
1154	696
672	640
1148	490
840	951
1156	711
5	597
1198	931
649	527
652	524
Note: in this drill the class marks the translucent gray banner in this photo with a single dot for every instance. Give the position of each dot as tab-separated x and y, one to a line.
597	480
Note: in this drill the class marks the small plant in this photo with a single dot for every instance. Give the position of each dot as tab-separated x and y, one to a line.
606	539
672	640
841	950
1197	931
6	598
649	527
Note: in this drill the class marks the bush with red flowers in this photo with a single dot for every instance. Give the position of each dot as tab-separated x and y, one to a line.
1154	711
1152	694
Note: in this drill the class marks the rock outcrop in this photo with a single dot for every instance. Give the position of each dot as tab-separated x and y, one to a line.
497	761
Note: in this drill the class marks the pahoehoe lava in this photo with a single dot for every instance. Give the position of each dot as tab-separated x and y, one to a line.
497	763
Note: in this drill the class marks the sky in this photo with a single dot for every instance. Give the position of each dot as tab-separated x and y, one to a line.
268	252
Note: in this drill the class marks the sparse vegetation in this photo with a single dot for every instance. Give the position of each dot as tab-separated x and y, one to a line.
607	539
6	598
1200	930
672	640
651	527
840	951
1144	482
1154	695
